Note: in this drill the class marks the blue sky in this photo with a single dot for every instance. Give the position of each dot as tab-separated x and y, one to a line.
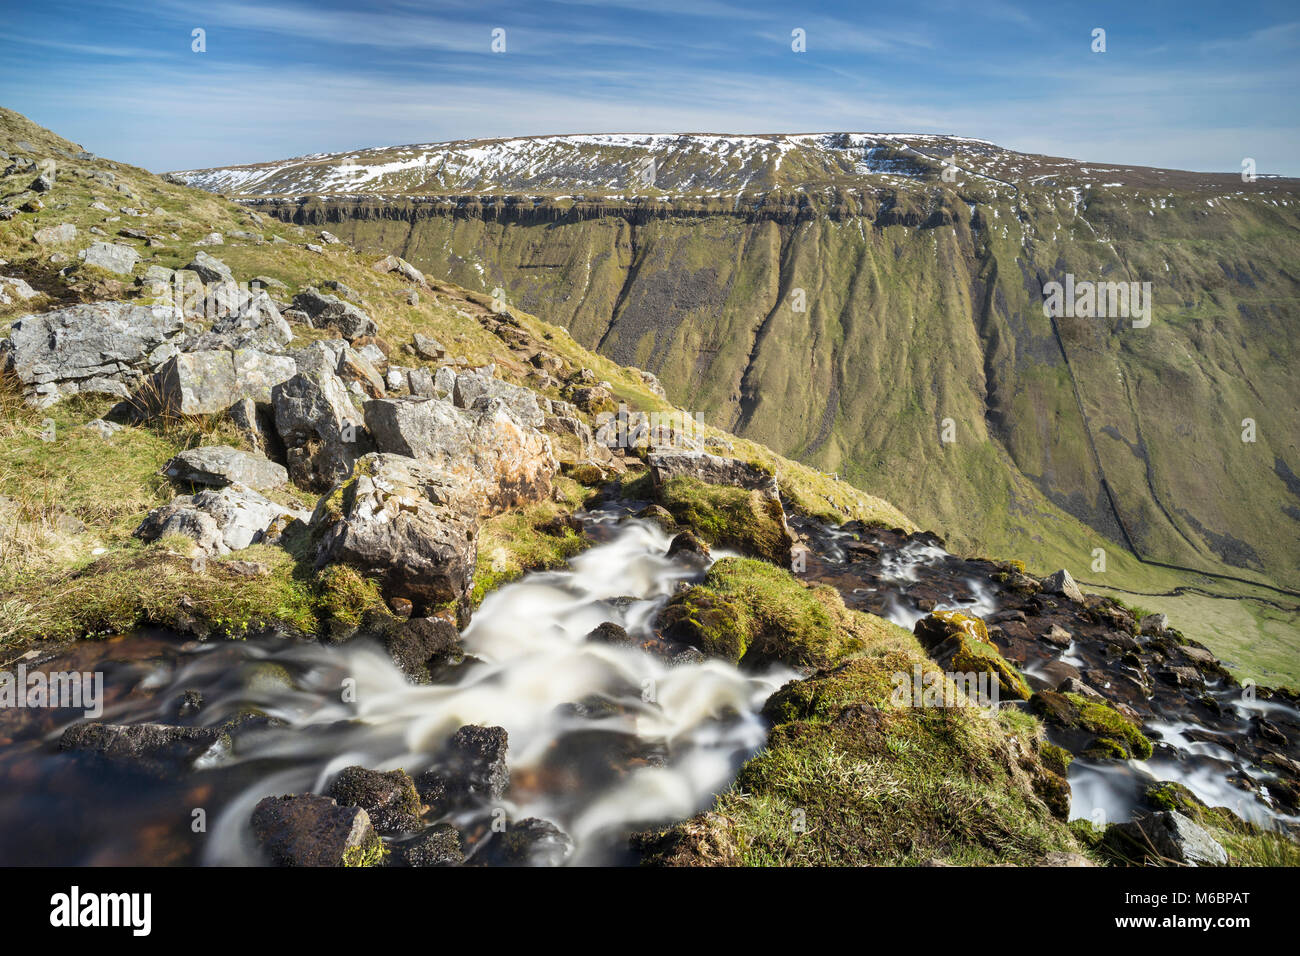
1194	85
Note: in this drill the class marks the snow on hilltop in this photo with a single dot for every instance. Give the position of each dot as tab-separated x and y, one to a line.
696	164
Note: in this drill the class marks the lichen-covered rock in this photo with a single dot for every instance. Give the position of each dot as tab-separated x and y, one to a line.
209	268
62	352
523	403
208	382
306	829
222	465
404	523
389	799
401	267
219	521
500	460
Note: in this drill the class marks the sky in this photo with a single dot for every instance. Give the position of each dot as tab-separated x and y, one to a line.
1190	85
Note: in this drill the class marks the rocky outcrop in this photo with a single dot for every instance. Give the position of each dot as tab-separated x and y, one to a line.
101	347
404	523
402	268
209	382
500	460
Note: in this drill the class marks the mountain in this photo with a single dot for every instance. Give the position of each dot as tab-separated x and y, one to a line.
921	264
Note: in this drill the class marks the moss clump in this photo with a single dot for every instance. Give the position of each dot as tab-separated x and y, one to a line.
851	778
541	536
347	599
1114	734
372	852
730	517
747	611
960	643
1056	759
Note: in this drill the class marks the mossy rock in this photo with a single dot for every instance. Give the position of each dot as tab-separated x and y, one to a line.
748	521
748	612
1114	734
938	626
960	643
1056	759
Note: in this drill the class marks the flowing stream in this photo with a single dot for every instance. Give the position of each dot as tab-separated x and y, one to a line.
603	739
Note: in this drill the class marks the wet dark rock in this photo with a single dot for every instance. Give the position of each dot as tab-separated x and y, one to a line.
530	842
471	768
189	704
688	546
437	846
306	829
390	799
423	646
687	657
155	749
610	633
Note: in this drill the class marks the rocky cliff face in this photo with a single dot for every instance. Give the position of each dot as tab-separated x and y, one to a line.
845	329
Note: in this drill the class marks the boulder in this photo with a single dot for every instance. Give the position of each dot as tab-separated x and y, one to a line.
1166	836
424	645
470	769
80	347
1154	624
221	465
219	521
353	366
320	428
13	289
427	348
329	311
1060	582
210	268
401	267
505	463
473	387
155	749
665	465
306	829
404	523
389	799
113	256
64	232
210	381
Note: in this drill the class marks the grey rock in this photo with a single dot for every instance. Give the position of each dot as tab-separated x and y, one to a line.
665	465
219	521
210	381
221	465
1155	624
503	462
1167	836
401	267
420	382
427	348
210	268
64	232
406	524
320	427
1060	582
104	429
86	343
523	403
329	311
113	256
